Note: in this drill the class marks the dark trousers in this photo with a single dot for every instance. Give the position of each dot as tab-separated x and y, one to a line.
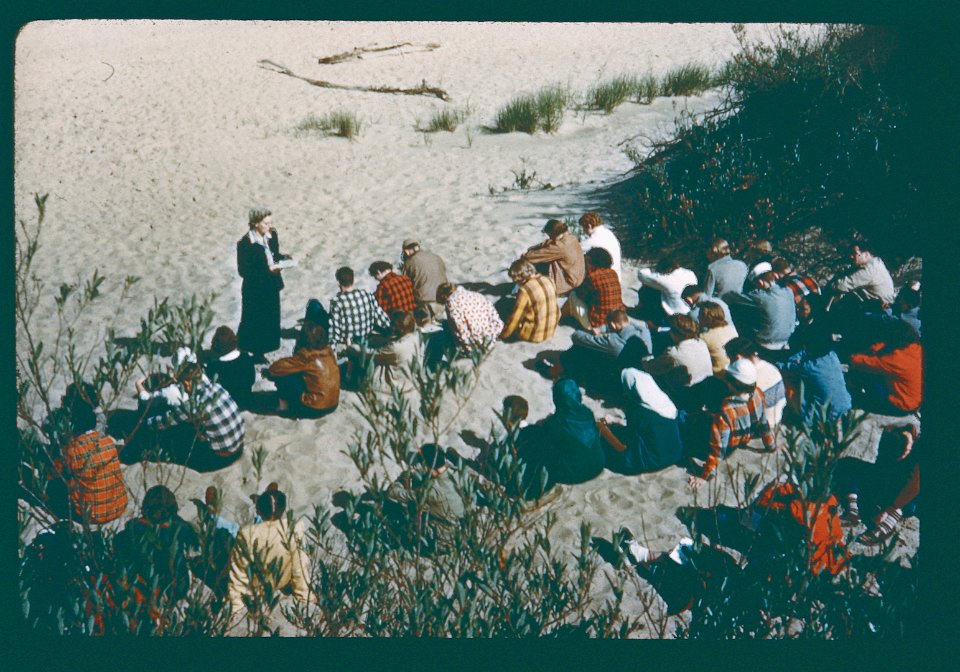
179	444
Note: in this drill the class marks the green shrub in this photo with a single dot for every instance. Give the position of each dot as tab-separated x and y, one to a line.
687	80
645	89
529	113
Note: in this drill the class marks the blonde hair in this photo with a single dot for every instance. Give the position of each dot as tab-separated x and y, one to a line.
711	316
521	270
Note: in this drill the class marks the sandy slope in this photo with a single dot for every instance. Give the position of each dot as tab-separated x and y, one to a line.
153	139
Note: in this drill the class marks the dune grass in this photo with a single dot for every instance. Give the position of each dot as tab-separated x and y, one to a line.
687	80
645	89
608	95
444	119
529	113
342	123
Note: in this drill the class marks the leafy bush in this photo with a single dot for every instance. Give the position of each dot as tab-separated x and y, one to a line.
529	113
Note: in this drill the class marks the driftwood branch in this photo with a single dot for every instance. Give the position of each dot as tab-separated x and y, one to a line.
422	90
358	52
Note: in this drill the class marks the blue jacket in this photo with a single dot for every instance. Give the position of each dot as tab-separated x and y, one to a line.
822	381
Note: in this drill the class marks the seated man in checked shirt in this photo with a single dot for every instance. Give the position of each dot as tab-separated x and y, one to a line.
394	292
354	313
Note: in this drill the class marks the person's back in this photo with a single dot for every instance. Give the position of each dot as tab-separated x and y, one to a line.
576	454
535	314
98	494
823	383
725	275
427	271
776	315
312	371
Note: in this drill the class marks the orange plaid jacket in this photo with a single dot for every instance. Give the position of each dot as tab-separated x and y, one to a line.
97	490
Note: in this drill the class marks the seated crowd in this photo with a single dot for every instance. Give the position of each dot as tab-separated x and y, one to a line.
699	369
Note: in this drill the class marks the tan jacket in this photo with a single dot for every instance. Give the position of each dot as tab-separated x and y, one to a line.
565	256
321	376
269	541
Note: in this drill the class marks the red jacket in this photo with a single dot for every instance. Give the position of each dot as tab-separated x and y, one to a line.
903	372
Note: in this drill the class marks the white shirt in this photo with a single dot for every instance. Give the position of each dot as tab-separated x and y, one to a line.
262	240
603	237
671	287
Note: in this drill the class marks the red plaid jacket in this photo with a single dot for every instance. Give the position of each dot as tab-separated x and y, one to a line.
800	285
395	292
738	421
602	294
97	492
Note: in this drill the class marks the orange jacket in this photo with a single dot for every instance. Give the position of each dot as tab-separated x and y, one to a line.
822	518
903	372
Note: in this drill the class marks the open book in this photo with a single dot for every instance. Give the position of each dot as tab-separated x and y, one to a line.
285	263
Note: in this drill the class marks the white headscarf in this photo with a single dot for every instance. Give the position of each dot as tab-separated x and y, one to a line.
648	393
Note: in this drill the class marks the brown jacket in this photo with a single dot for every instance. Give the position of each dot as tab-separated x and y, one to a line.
321	376
565	256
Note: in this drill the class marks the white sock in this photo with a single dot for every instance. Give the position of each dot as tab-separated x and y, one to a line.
638	552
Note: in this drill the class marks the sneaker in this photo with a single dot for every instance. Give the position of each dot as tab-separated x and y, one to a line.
851	514
631	547
887	524
681	552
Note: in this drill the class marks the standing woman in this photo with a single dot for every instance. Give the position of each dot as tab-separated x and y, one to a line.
258	261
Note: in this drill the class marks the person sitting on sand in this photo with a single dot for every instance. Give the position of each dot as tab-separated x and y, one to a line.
650	441
354	312
562	252
716	332
394	292
429	488
661	293
694	296
890	381
600	236
231	367
271	543
766	313
473	321
535	313
868	281
595	358
687	352
205	432
153	552
427	272
87	478
308	382
814	379
724	273
740	419
801	285
567	444
600	292
393	361
769	378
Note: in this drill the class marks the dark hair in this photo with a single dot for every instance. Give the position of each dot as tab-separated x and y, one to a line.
740	347
224	340
515	407
190	372
909	298
80	399
377	267
271	504
445	290
684	326
313	337
599	258
421	313
899	334
690	290
781	265
159	504
711	315
431	455
344	276
402	322
668	263
554	227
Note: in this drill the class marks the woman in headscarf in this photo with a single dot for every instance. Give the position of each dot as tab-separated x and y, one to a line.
570	448
650	441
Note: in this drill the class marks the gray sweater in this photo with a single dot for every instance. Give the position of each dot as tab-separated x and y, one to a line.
724	275
769	315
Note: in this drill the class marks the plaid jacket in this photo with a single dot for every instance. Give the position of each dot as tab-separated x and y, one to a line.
98	494
215	414
535	315
602	294
738	421
353	314
395	292
800	285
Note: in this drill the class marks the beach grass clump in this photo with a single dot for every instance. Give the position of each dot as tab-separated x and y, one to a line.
445	119
687	80
342	123
529	113
645	89
608	95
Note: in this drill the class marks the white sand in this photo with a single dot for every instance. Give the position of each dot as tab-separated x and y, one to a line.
153	139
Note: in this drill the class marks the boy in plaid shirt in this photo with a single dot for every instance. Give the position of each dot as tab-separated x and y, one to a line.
354	313
395	292
800	285
740	419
